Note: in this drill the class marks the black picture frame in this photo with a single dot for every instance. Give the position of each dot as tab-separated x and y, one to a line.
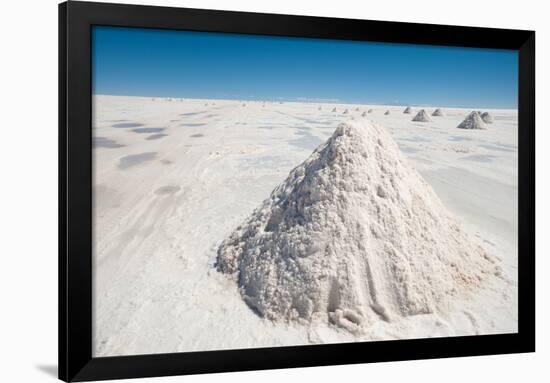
75	192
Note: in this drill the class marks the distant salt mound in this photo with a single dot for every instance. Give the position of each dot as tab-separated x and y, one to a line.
408	110
438	113
422	116
472	121
345	112
357	109
364	114
352	236
387	112
370	111
487	118
334	110
319	108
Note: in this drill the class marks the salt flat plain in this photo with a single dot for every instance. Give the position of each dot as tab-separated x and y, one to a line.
174	177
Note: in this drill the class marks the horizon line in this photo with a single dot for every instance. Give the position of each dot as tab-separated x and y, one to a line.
303	100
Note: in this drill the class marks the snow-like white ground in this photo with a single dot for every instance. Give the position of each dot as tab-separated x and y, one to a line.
173	178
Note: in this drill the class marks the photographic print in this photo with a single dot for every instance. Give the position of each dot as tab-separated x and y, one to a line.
262	191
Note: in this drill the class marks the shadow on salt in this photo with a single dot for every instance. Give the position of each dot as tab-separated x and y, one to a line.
148	130
459	138
103	142
127	125
273	125
168	189
135	159
156	136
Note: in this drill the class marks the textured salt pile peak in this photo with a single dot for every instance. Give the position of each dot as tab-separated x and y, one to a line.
346	111
387	112
370	111
352	236
487	118
408	110
364	114
334	110
438	112
422	116
472	121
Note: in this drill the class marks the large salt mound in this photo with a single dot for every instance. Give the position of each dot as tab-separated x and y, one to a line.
353	235
472	121
422	116
387	112
487	118
408	110
438	113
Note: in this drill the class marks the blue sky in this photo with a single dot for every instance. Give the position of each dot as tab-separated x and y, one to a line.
162	63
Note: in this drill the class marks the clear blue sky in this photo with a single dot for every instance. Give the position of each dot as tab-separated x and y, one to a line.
147	62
